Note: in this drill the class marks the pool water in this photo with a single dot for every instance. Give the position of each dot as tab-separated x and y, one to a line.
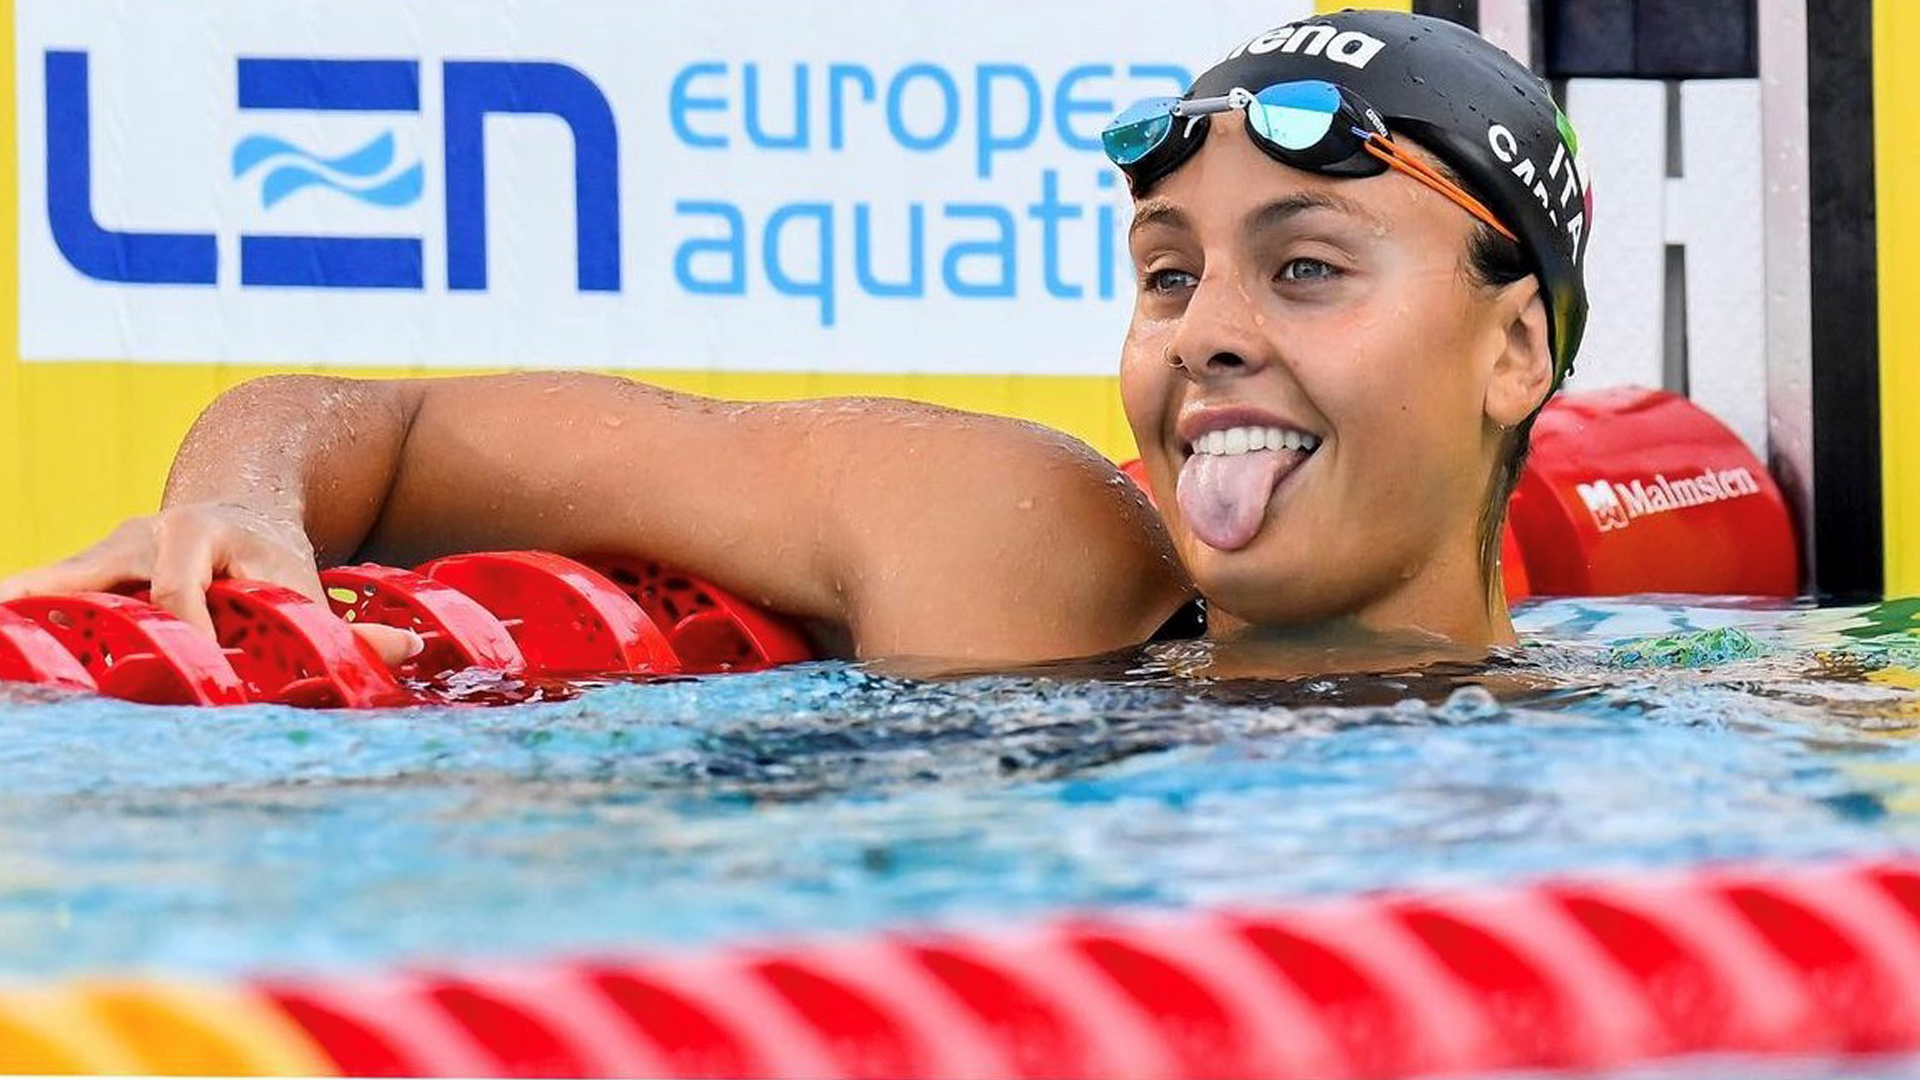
827	799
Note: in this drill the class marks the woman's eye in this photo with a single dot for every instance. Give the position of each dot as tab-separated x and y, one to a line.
1308	270
1166	281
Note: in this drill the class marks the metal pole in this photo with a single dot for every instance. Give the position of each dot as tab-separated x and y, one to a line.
1789	254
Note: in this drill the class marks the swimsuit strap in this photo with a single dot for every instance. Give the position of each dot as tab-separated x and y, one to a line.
1185	624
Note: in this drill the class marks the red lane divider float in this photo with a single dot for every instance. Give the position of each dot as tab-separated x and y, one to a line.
710	629
30	654
566	618
1568	975
293	651
136	651
457	632
531	614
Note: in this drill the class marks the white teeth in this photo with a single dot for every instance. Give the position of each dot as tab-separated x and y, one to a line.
1243	440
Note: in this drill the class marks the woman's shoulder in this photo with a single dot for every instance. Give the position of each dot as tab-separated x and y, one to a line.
1044	544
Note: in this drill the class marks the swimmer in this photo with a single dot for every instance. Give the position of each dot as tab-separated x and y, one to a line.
1358	236
1358	247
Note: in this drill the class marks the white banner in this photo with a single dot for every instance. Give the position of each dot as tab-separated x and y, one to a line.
756	185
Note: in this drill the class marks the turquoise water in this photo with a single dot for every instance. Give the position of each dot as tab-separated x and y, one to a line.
827	798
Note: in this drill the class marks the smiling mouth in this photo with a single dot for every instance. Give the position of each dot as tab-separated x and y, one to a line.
1232	442
1229	477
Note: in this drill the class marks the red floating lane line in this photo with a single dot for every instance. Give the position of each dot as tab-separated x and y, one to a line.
1705	975
523	1044
1610	1022
293	649
580	1020
136	651
711	629
688	1039
1098	1028
565	617
1219	1008
1038	1037
758	1024
1857	949
884	983
1522	1003
1356	1012
1567	975
867	1040
29	654
383	1026
1397	983
463	634
1902	886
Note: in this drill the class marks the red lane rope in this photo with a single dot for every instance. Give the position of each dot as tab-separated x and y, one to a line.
1568	975
525	613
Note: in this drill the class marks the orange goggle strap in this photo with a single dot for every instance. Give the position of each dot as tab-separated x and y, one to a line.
1389	152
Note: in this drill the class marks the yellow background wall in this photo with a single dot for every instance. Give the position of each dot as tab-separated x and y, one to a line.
1896	41
87	443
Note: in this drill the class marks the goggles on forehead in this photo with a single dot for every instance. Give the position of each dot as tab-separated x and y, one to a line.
1309	124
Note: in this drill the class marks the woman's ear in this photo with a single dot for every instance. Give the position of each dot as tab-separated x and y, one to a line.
1522	373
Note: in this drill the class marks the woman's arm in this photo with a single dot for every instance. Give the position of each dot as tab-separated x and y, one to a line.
919	530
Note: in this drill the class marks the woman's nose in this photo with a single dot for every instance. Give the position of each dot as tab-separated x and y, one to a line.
1221	334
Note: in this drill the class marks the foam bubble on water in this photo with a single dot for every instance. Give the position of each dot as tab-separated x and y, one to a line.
1470	704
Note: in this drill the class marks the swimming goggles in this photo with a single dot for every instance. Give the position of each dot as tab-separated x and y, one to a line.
1309	124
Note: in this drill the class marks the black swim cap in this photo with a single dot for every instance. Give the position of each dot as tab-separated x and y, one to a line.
1468	103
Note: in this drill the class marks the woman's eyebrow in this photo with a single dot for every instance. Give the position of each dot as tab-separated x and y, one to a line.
1282	211
1157	212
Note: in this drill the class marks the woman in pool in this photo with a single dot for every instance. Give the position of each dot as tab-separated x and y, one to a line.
1334	359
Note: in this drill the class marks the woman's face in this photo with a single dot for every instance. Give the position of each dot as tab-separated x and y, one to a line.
1308	378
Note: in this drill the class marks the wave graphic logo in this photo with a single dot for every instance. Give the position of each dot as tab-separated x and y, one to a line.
364	174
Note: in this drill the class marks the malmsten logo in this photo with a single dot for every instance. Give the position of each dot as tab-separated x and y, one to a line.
1615	505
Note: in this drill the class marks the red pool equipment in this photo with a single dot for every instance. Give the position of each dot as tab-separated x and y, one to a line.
1642	491
292	651
136	651
30	654
456	632
534	615
1574	974
566	617
711	630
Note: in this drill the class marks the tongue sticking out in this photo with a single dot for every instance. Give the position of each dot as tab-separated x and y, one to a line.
1224	496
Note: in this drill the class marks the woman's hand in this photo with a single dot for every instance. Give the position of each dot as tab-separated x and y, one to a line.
180	550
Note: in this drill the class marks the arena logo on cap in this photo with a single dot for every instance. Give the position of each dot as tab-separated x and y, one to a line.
1349	47
1566	173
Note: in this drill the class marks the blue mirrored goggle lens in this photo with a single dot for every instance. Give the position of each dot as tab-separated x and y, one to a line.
1136	132
1296	115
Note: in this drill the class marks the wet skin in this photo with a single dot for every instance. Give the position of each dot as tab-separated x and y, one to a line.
1344	310
892	529
889	528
